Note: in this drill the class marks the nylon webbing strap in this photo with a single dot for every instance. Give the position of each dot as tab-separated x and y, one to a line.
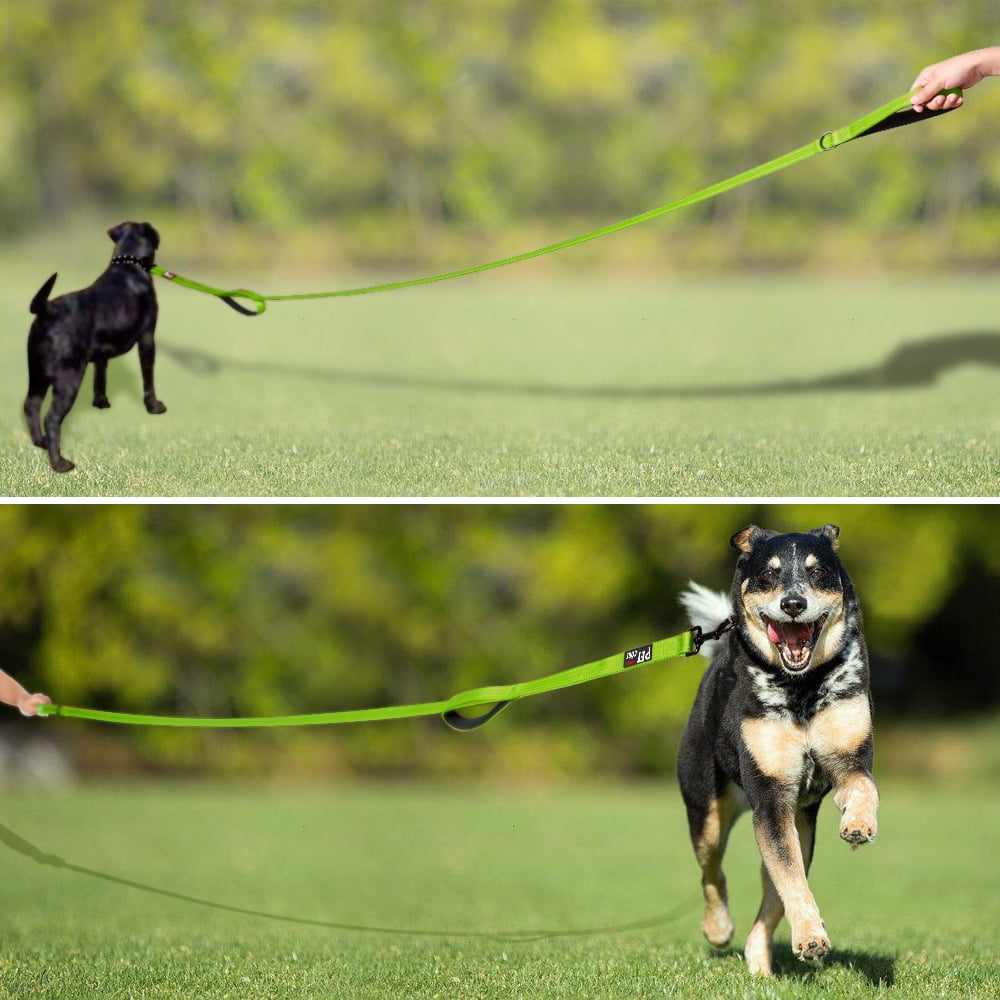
897	112
494	698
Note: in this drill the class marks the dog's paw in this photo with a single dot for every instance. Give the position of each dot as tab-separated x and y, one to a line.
757	955
858	830
61	464
858	804
810	943
102	402
155	406
718	927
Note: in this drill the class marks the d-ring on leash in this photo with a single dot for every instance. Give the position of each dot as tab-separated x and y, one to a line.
892	115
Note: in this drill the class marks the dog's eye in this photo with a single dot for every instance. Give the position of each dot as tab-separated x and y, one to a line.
766	577
817	574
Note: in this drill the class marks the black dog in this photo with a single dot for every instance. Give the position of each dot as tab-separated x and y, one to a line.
782	716
110	317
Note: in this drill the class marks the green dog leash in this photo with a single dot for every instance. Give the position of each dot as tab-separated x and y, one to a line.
497	697
892	115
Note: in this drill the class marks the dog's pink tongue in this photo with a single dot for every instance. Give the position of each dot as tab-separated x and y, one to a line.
795	636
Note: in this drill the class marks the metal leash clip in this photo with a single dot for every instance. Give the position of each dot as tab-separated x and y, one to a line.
699	637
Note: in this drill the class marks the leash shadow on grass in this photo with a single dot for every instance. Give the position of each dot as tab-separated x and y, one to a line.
916	364
28	850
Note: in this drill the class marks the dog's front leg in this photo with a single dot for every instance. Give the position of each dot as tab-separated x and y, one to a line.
147	361
857	799
842	740
785	839
101	382
780	850
772	769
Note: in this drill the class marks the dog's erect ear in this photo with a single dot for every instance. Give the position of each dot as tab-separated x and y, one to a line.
741	540
117	232
746	538
831	533
151	234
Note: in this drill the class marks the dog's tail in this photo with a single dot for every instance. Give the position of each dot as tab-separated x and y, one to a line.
40	302
706	609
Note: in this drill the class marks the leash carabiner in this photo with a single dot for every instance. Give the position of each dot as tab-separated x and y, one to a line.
700	637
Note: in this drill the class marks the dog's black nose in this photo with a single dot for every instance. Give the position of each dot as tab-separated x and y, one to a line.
793	605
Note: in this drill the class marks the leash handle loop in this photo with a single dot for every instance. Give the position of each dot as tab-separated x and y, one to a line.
466	723
259	301
227	296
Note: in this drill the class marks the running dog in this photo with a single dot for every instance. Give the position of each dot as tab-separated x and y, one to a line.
782	717
107	319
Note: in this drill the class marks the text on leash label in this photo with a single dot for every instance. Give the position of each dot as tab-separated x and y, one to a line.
642	654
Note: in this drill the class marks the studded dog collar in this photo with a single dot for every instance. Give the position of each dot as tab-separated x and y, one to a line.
127	258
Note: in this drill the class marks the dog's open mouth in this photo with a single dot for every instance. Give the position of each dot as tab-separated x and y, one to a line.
794	640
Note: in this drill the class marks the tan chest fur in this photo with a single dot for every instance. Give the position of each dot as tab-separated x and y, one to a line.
784	749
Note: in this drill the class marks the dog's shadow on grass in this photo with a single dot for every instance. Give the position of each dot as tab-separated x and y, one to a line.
912	365
878	970
28	850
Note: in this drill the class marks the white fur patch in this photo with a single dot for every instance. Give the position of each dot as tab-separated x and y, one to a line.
769	693
707	609
842	678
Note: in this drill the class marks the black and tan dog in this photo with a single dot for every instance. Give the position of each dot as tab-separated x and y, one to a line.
117	312
782	717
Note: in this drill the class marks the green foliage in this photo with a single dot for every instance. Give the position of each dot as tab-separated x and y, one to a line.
262	610
389	125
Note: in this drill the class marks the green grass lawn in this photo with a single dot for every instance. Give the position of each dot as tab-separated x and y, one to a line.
434	891
518	384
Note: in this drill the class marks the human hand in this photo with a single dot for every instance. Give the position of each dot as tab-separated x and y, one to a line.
964	71
29	705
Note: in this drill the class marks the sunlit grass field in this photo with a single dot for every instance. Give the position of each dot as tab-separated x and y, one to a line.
525	383
456	891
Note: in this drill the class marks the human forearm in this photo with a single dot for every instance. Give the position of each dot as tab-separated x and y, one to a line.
964	71
17	696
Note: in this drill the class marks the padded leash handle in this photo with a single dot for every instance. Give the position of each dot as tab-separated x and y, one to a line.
910	117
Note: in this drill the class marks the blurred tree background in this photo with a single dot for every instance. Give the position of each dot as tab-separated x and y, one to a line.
435	131
262	610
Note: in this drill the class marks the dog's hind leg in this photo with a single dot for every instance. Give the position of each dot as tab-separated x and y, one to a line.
709	834
38	386
757	950
63	396
32	412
